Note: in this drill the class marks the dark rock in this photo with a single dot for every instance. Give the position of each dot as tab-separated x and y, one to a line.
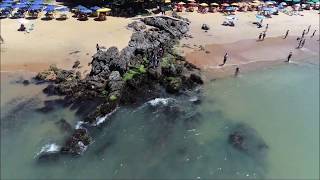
77	143
205	27
76	64
246	139
137	26
196	78
173	84
25	82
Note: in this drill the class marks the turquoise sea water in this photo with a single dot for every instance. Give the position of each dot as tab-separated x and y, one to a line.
174	138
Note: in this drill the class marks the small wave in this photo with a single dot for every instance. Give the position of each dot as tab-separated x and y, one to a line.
49	148
160	101
100	120
79	124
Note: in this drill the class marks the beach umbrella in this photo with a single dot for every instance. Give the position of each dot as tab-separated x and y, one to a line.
204	4
49	8
19	6
95	8
234	4
214	4
4	6
283	3
296	1
256	1
269	3
260	17
181	3
80	7
62	9
167	1
191	0
230	9
7	1
225	4
103	10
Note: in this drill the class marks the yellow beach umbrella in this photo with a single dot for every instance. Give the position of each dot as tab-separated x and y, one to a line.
102	10
234	4
256	1
167	1
181	3
204	4
214	4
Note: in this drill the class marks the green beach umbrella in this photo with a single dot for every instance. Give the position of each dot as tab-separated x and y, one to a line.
296	1
310	2
288	0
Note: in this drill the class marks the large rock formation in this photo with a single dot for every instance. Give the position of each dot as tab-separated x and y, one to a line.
136	73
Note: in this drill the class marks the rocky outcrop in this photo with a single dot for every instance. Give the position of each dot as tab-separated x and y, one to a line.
134	74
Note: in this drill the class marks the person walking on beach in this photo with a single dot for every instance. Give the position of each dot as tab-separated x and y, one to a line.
263	36
225	58
287	33
97	47
267	27
303	33
260	36
302	44
236	73
314	32
308	29
289	57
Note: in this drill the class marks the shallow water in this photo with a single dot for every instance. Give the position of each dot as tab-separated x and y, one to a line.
175	138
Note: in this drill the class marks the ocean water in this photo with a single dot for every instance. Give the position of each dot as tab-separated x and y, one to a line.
173	137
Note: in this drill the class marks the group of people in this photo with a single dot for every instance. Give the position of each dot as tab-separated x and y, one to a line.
262	36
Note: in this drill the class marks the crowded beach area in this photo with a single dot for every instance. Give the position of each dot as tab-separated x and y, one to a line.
37	31
168	89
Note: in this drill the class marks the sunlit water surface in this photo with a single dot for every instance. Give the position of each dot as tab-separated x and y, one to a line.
175	138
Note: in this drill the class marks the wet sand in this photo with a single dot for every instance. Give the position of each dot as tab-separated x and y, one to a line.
250	55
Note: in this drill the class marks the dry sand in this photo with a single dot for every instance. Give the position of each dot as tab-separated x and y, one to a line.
63	42
58	42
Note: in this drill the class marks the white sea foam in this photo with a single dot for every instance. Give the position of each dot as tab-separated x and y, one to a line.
158	101
79	124
100	120
49	148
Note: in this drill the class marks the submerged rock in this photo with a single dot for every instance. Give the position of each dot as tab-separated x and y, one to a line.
77	143
247	140
205	27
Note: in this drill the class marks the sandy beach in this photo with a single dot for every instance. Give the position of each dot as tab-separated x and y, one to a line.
63	42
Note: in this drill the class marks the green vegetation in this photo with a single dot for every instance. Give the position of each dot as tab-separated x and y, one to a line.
135	71
167	60
113	98
104	93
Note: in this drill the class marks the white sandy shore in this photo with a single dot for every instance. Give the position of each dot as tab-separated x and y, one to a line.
63	42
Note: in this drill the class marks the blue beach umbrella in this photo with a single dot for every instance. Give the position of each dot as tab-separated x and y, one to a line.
35	7
7	1
20	6
49	8
5	5
260	17
80	7
62	9
85	11
94	8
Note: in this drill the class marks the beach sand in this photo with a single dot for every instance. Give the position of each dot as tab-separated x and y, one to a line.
206	49
64	42
58	42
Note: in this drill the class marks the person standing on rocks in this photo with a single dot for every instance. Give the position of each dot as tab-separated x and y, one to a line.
225	58
289	57
314	32
97	47
287	33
